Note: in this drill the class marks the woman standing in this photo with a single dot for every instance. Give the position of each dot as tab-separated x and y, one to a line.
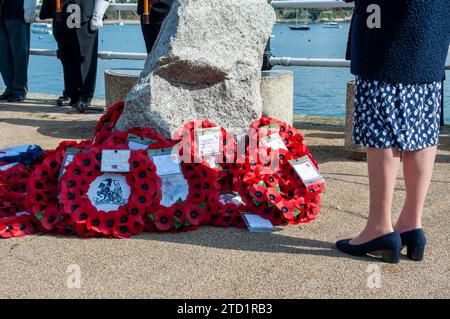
15	19
153	13
397	51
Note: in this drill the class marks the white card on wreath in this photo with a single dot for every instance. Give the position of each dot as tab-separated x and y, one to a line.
274	141
166	161
136	143
209	141
307	171
115	161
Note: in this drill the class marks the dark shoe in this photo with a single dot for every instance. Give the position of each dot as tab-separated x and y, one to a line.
16	99
5	96
389	245
82	105
63	101
415	242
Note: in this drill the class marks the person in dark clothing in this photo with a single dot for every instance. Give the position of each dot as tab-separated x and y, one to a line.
398	50
151	23
77	46
15	19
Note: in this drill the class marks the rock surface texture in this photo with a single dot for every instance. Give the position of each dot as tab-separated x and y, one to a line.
206	64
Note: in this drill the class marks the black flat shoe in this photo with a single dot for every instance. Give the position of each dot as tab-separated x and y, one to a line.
82	105
16	99
5	96
389	245
415	242
63	101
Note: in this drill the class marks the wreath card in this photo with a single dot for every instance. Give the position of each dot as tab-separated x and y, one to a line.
168	167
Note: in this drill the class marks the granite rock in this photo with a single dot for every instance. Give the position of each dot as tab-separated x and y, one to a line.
206	64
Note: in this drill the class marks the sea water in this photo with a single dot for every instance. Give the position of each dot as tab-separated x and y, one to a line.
318	91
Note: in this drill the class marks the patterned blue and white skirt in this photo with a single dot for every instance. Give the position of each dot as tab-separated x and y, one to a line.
403	116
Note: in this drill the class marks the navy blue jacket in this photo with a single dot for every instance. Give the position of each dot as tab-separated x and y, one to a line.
12	9
410	47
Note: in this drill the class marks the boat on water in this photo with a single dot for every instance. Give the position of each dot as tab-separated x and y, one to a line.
300	27
332	25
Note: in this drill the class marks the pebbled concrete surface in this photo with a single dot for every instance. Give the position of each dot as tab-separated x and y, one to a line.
294	262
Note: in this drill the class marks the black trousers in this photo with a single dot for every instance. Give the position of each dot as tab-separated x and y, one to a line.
14	55
78	52
150	33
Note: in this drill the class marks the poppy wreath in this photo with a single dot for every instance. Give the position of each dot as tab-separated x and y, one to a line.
18	225
107	122
124	222
187	143
217	213
13	189
269	184
43	190
196	209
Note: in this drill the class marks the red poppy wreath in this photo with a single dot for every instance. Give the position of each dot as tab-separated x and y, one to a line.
109	204
203	140
43	190
206	144
187	199
268	182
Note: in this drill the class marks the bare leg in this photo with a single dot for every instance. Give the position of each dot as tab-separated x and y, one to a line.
417	169
383	169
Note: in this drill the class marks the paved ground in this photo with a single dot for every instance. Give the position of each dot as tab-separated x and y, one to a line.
294	262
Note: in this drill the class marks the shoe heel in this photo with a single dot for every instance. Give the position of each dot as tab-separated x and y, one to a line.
415	252
391	256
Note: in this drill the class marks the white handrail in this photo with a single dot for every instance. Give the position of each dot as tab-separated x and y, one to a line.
283	61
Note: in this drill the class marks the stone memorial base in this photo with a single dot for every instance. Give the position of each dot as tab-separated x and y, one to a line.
277	90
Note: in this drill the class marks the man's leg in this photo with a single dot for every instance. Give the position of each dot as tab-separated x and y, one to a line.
19	41
6	63
150	33
67	53
88	41
383	168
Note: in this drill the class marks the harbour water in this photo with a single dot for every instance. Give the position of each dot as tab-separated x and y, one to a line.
318	91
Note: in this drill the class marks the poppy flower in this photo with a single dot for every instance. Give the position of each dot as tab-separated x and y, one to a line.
163	220
95	222
257	192
273	195
108	223
194	214
178	212
6	231
82	231
135	224
122	231
237	220
288	209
